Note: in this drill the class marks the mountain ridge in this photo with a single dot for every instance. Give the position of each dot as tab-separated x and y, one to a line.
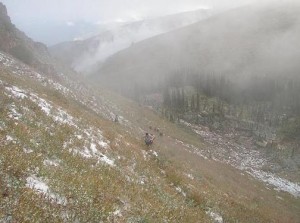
87	52
220	44
15	42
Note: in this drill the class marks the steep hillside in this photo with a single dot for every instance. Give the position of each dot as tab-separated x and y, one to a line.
253	40
83	55
64	159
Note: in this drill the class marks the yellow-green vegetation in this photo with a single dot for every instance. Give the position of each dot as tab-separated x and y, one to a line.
61	161
80	188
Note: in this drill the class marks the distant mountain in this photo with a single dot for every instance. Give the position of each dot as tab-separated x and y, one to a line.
258	39
16	43
35	54
52	32
83	55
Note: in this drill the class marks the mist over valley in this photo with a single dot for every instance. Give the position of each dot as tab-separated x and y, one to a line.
150	111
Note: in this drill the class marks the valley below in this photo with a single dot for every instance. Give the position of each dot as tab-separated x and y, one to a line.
224	112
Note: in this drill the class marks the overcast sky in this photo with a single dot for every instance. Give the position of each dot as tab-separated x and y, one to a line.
53	21
105	10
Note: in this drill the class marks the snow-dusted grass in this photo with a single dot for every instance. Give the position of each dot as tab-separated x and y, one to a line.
13	113
16	92
217	218
242	158
51	162
280	184
65	160
56	113
40	186
77	169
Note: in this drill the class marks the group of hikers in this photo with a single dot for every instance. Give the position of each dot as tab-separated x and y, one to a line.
149	138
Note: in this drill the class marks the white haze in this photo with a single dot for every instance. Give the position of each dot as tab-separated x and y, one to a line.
47	20
121	37
101	13
108	10
262	39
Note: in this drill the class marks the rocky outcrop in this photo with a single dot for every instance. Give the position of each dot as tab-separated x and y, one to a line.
7	40
16	43
3	13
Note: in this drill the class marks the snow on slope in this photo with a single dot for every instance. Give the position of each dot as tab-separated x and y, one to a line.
29	106
71	88
230	153
86	140
41	187
242	158
93	144
41	117
93	137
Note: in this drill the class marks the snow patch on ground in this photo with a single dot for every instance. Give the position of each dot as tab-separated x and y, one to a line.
93	152
10	139
85	153
55	112
13	114
21	69
43	104
75	89
190	176
64	118
79	137
154	153
145	155
279	183
117	213
102	144
180	190
94	148
106	160
93	137
94	145
217	218
40	186
59	87
49	162
240	157
16	92
27	150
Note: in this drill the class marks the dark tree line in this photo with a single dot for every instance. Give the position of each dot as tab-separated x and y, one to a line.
265	100
277	93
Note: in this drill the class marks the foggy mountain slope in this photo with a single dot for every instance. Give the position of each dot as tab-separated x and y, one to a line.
15	42
59	152
61	156
58	155
84	54
63	159
257	39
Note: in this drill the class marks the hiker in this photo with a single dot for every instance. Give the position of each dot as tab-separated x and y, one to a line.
149	139
116	118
